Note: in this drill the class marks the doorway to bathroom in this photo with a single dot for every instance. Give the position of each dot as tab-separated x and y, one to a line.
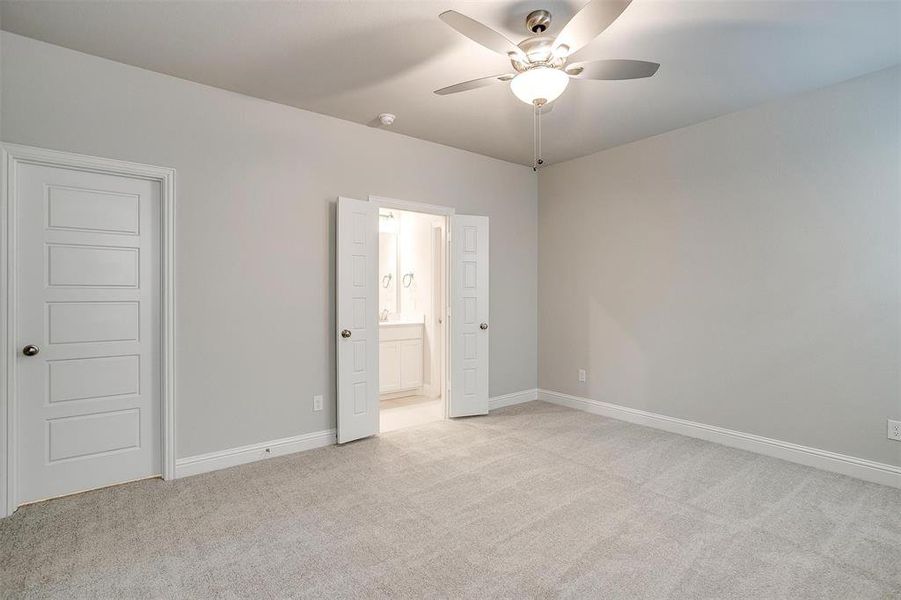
435	344
412	303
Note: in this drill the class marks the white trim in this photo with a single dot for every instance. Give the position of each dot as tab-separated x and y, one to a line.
421	207
213	461
439	302
12	155
510	399
420	391
812	457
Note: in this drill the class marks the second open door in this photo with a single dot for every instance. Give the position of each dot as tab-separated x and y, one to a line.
357	340
469	316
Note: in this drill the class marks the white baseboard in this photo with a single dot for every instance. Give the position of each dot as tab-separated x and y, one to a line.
812	457
514	398
420	391
213	461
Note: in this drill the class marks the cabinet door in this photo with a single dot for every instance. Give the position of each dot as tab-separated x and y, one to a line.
389	367
410	364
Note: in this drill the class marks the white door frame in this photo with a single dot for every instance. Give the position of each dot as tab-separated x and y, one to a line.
12	155
447	212
439	245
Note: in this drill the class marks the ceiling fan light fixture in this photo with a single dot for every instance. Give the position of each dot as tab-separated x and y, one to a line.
539	83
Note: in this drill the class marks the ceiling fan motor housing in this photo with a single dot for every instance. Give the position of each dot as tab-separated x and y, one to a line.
538	21
539	47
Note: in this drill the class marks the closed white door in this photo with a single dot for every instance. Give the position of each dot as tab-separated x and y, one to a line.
357	319
469	316
88	364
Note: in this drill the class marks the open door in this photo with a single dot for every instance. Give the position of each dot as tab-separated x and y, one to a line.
357	263
469	316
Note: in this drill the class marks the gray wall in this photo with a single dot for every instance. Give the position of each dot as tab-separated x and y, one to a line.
255	228
742	272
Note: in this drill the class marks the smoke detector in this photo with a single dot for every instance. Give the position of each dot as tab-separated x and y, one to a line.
386	119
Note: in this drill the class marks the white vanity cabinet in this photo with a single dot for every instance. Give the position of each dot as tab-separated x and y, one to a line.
400	357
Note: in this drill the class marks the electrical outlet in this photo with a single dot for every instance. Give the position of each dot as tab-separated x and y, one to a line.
894	430
583	376
317	403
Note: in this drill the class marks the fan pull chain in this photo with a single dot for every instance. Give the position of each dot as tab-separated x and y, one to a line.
534	137
537	161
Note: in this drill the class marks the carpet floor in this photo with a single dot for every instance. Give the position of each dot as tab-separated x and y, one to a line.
531	501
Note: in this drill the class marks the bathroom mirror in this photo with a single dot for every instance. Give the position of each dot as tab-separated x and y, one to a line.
388	277
404	253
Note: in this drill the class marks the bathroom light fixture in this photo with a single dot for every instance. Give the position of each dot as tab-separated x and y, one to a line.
387	223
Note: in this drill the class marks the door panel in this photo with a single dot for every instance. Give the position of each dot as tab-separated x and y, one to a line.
81	322
93	435
88	266
91	378
357	319
92	210
469	316
89	298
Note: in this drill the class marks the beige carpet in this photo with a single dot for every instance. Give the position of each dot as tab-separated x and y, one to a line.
533	501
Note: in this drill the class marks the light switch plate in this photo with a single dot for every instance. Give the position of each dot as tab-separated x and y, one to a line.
317	403
894	430
583	376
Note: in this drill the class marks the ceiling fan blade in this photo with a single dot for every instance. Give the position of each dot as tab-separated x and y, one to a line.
481	34
612	69
472	84
587	24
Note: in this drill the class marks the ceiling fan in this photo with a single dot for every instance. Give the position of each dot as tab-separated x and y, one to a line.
541	72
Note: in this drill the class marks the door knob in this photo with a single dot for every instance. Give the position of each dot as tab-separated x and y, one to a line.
345	333
30	350
483	326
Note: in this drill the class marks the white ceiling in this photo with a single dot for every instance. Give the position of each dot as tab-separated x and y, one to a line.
356	59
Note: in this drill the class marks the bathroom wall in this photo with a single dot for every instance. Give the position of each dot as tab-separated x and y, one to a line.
420	261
